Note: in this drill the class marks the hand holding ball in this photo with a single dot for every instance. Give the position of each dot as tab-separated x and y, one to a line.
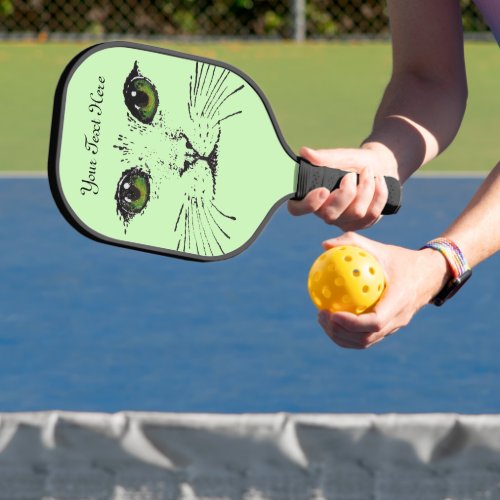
346	278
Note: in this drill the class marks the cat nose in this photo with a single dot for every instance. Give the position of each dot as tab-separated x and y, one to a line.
188	142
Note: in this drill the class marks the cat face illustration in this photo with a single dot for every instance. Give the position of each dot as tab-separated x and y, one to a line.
182	151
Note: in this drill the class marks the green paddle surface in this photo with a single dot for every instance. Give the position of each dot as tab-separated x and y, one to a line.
167	153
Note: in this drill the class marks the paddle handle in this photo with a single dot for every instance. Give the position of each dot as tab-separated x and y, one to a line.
312	177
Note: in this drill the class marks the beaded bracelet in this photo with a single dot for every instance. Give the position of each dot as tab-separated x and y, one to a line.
459	267
452	254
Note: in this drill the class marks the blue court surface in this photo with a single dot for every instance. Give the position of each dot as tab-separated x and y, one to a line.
90	327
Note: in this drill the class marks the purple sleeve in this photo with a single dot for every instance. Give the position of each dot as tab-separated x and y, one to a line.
490	9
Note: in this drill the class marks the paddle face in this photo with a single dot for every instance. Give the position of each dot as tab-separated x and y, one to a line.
164	152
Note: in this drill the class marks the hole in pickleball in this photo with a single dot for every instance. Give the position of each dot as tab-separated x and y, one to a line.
366	289
356	273
327	293
348	258
372	270
317	300
339	281
346	299
317	276
362	254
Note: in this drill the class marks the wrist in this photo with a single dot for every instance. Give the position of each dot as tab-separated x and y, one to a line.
385	155
437	272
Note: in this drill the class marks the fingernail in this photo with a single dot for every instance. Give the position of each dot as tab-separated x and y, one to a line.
324	194
347	178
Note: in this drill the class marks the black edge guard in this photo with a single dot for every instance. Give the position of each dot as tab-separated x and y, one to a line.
312	177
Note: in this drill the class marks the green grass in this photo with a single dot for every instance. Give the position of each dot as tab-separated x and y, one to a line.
323	94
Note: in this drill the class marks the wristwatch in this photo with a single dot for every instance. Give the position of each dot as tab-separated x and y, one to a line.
460	270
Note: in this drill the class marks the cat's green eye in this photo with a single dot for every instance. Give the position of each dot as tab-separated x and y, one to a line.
141	96
132	193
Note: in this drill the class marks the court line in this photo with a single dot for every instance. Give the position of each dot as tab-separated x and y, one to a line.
452	174
431	174
26	174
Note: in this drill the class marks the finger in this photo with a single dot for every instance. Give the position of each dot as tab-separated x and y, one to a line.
348	238
384	319
338	201
362	324
310	155
338	158
366	209
380	196
341	340
365	190
373	342
343	343
311	203
338	334
336	330
353	341
362	340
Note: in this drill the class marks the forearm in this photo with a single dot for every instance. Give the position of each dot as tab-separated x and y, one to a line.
416	120
477	230
424	103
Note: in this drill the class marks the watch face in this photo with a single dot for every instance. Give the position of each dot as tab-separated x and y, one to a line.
451	288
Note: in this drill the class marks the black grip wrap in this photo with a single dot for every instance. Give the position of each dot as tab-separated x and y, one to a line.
311	177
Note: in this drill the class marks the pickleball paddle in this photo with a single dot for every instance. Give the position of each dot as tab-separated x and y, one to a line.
172	153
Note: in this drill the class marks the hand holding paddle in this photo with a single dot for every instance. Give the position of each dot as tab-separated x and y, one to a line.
360	199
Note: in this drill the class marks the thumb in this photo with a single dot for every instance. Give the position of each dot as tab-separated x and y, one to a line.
349	238
340	157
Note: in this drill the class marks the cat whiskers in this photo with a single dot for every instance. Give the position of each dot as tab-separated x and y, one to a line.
207	98
200	225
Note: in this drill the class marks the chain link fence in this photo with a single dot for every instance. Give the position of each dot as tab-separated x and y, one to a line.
286	19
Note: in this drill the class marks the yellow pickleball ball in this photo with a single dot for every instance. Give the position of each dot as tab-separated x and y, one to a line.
346	278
